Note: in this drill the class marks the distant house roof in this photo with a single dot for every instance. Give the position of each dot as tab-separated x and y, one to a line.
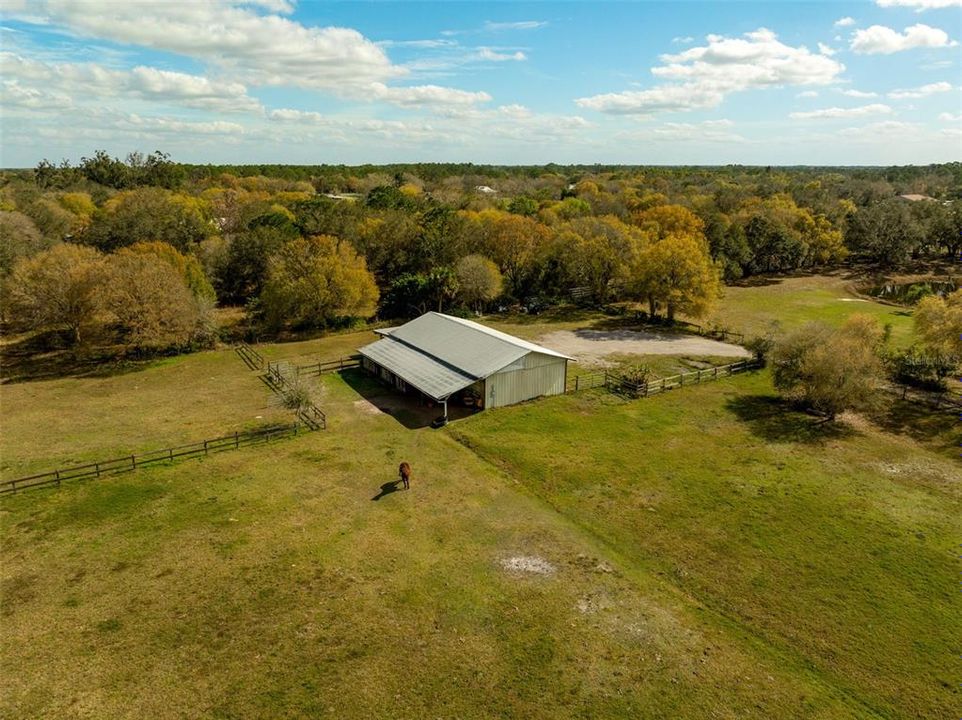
915	197
440	354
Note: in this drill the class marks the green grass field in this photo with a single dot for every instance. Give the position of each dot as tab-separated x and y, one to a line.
795	301
709	554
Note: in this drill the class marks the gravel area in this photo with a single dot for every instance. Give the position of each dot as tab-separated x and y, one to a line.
591	346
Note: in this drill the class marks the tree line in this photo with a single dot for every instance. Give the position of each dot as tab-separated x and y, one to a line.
320	246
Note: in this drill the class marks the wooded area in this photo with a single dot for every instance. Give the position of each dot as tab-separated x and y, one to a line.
137	252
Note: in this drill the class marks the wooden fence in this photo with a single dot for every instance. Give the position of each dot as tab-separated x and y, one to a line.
320	368
129	463
253	359
623	386
586	382
276	379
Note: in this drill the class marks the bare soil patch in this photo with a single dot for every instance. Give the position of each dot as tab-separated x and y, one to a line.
528	564
592	346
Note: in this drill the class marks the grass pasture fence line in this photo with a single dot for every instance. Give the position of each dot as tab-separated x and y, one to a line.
134	461
321	367
622	386
253	359
276	378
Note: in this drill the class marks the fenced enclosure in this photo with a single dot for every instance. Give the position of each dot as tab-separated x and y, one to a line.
319	368
129	463
282	379
623	386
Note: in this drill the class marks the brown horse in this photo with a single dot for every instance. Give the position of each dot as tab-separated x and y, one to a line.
404	471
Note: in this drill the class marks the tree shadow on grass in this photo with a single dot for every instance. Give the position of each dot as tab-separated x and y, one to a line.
919	421
776	420
44	356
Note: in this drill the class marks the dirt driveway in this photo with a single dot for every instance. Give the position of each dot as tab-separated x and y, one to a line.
591	346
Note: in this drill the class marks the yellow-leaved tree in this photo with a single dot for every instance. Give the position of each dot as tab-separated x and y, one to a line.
938	323
317	281
56	289
677	274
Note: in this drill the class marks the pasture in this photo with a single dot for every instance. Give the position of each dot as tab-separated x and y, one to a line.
704	553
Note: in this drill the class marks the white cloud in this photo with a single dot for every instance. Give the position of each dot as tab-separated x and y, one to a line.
920	92
858	93
170	125
837	112
512	123
949	117
663	98
936	65
421	95
881	40
844	22
807	94
683	40
257	48
423	44
920	5
826	50
515	111
141	82
705	75
884	131
694	132
14	96
522	25
291	115
494	56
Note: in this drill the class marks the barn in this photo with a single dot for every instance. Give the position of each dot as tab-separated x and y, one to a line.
448	358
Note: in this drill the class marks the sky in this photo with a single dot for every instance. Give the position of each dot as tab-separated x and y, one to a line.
287	81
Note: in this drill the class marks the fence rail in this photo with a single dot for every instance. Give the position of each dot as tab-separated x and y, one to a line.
253	359
322	367
623	386
129	463
276	379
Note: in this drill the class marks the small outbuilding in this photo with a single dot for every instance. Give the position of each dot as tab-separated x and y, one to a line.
448	358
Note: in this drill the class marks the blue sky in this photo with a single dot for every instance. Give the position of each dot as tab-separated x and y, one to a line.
345	82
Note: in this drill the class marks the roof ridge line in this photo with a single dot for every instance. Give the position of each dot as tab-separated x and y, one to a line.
440	361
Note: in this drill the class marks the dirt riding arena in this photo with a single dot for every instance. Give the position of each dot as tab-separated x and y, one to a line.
591	346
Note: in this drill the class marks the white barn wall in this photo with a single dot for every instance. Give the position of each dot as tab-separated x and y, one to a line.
529	377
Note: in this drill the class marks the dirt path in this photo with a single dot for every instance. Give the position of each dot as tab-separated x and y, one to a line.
592	346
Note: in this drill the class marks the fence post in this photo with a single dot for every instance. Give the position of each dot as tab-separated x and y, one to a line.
236	440
170	452
716	372
577	382
97	468
56	472
133	462
205	447
681	380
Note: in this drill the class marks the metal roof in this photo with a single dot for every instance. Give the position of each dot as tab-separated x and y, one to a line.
424	372
440	354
